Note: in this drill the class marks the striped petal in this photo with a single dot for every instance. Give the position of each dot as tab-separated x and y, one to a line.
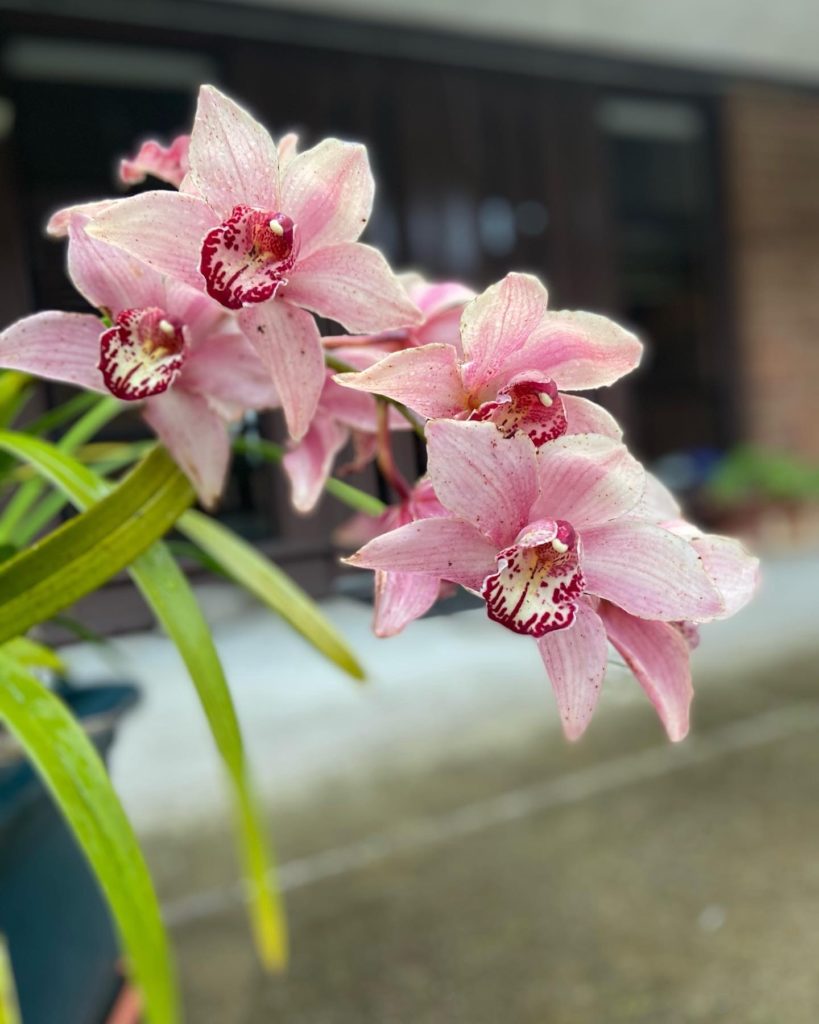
576	659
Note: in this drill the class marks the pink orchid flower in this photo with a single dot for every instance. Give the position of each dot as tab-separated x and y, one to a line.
343	413
167	163
545	537
400	597
164	343
270	234
513	357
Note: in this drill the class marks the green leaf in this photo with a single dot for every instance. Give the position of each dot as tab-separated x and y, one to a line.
165	588
168	593
52	504
9	1008
82	554
70	767
26	651
243	563
47	509
62	413
15	388
104	410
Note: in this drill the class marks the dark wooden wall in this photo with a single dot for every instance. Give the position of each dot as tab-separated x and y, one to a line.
483	165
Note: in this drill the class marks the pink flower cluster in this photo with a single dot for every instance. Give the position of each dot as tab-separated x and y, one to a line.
205	295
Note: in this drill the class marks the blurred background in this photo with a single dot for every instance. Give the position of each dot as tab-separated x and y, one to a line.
657	162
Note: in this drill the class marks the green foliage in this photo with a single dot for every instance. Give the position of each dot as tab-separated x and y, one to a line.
243	563
118	527
166	590
70	767
9	1009
84	553
750	474
97	415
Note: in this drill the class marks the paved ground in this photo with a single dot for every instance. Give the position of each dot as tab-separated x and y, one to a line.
448	858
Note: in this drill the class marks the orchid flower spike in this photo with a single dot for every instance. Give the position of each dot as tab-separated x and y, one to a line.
513	357
271	233
548	539
342	413
162	343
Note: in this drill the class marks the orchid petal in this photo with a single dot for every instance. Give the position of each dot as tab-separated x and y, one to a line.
328	191
400	598
308	464
232	157
498	324
585	417
435	300
648	571
734	571
167	163
586	479
110	278
163	229
196	437
227	370
57	346
486	480
426	379
578	350
576	659
658	504
58	223
447	549
288	343
352	284
287	149
354	409
657	654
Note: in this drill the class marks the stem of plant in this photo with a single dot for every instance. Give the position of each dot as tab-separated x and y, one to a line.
344	492
385	458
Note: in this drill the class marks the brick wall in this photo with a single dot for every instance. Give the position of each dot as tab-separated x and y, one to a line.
772	157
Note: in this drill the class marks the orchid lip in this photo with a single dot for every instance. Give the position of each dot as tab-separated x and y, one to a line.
142	353
538	580
529	407
246	258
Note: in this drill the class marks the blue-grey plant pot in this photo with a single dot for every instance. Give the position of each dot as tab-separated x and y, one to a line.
63	948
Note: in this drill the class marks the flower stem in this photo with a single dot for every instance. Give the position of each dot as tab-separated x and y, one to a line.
344	492
385	457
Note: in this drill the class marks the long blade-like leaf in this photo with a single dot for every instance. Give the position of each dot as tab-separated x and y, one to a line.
26	651
14	390
104	410
9	1008
243	563
168	593
82	554
72	770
